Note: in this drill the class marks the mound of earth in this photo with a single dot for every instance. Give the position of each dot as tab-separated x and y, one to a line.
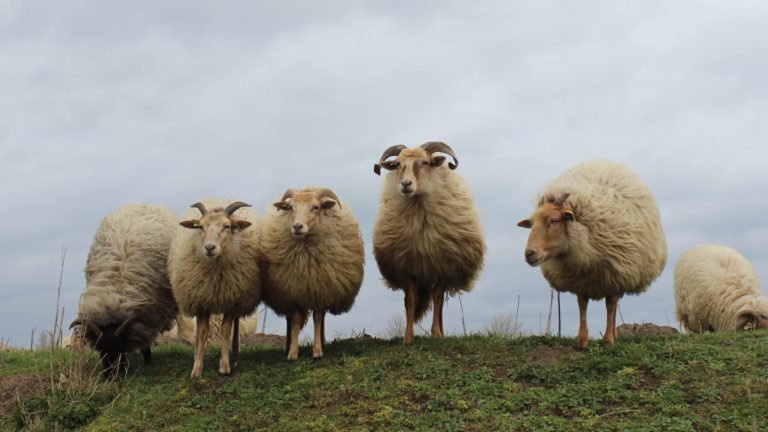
550	356
17	386
644	329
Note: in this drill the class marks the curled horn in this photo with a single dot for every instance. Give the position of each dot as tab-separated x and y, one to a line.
437	146
288	194
391	151
124	326
234	206
329	193
200	206
90	325
559	201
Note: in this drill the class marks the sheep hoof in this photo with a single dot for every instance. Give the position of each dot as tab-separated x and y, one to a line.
317	356
607	342
225	374
293	356
195	374
581	345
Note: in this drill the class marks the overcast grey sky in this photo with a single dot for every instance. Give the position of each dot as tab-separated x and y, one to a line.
105	103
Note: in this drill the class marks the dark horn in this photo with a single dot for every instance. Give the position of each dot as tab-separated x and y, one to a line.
234	206
329	193
437	146
124	326
200	206
91	326
391	151
559	202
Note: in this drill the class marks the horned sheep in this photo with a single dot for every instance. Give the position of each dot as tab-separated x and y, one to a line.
716	289
427	238
127	300
313	259
213	266
597	233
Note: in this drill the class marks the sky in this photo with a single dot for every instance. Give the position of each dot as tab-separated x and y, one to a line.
105	103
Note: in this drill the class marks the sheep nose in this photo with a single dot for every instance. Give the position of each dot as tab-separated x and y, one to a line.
406	183
298	226
529	253
210	247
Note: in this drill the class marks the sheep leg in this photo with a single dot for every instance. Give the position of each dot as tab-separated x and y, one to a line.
202	337
318	316
235	341
611	303
226	330
322	331
147	353
296	321
438	296
582	338
287	333
410	311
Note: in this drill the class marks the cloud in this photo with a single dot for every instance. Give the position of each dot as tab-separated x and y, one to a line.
108	103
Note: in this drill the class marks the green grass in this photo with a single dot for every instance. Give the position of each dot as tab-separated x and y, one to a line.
713	382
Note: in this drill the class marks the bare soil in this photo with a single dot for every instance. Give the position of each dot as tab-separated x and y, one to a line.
550	356
13	387
644	329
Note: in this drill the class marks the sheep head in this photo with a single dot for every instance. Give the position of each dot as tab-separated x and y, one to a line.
218	226
111	341
413	166
305	209
752	321
549	225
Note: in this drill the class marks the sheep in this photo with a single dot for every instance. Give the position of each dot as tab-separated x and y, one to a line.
716	289
313	259
185	329
427	238
127	300
596	232
213	266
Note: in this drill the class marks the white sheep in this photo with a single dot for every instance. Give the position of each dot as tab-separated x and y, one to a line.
213	266
427	238
127	300
597	233
716	289
313	259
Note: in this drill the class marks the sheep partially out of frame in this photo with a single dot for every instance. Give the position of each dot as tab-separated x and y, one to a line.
313	259
185	329
213	266
127	300
427	238
596	232
716	289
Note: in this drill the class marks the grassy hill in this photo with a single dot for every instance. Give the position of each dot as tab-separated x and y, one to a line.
713	382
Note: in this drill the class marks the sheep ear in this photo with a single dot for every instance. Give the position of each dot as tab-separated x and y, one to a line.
390	165
748	321
525	223
191	224
328	203
436	161
241	225
568	215
280	205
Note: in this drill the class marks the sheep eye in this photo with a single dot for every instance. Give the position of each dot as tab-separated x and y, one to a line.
227	227
315	208
425	163
554	221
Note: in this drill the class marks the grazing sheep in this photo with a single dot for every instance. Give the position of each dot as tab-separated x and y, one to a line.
185	329
716	289
127	300
213	265
313	259
427	239
597	233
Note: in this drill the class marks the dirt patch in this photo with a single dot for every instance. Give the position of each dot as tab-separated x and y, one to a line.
550	356
13	387
644	329
263	339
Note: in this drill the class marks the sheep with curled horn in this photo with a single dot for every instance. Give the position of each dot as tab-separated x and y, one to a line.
312	260
596	232
213	267
427	239
127	300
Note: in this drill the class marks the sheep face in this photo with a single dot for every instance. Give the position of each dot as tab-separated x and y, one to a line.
752	321
111	341
304	209
413	167
217	226
548	236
